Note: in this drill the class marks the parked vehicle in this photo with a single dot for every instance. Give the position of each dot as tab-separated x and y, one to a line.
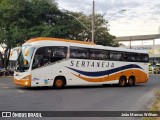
7	72
154	69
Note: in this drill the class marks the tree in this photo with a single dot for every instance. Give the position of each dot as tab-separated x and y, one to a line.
102	36
24	19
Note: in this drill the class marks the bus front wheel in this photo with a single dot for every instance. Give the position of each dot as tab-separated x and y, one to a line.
59	82
122	81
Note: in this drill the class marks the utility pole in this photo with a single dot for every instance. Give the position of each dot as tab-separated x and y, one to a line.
130	42
93	20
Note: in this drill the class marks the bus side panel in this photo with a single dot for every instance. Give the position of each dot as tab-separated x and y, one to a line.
87	72
105	72
60	69
76	67
142	78
42	76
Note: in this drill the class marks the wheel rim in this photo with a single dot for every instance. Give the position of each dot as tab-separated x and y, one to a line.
130	82
59	83
122	82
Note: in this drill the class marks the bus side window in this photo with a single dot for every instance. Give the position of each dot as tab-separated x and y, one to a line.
92	55
114	55
38	58
84	53
106	55
131	57
119	56
111	55
101	56
124	57
137	58
79	53
144	58
47	55
73	52
97	54
35	62
58	53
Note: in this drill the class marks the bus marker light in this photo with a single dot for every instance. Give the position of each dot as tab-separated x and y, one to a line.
26	53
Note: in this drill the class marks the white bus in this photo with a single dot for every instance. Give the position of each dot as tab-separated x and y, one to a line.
60	62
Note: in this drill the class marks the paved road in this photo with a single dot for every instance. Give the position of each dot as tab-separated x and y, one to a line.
90	98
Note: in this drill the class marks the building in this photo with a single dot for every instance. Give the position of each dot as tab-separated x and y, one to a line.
151	43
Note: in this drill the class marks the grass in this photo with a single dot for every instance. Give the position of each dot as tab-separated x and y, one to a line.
155	106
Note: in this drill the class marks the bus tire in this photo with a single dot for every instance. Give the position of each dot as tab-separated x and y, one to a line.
131	81
59	82
122	81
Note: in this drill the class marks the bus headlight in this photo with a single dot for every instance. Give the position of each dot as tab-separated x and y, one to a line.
26	83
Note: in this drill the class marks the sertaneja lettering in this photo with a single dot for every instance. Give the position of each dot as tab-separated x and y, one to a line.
91	64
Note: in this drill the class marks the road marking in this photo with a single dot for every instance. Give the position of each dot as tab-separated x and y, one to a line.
5	87
20	91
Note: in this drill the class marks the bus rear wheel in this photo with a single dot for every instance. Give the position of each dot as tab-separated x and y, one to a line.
59	83
131	81
122	81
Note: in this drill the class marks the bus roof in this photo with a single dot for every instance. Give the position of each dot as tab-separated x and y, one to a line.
58	40
44	41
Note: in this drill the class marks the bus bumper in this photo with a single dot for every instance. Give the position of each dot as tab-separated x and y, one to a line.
26	81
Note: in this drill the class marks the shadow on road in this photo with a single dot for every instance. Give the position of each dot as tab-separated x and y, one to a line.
79	87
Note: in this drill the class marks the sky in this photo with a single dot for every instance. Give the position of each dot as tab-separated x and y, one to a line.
142	17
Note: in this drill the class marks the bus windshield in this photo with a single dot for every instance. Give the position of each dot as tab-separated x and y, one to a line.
24	58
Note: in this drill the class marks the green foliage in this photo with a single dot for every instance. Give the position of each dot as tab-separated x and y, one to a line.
102	37
21	20
155	105
24	19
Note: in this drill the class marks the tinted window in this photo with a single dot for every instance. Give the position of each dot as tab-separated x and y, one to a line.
131	57
137	57
79	53
145	57
115	55
99	54
47	55
124	56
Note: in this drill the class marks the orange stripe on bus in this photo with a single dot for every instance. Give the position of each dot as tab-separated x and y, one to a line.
58	40
141	77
